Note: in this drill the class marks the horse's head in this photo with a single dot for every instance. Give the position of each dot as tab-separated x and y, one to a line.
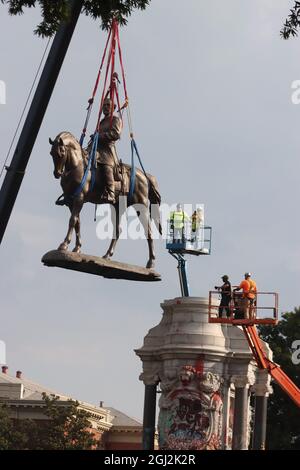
66	153
59	155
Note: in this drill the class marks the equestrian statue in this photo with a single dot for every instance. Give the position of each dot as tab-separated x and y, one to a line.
110	181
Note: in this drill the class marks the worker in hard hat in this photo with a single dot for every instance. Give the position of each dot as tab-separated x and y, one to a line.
197	223
225	290
249	288
178	219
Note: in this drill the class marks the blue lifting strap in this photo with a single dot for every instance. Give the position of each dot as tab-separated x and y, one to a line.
132	173
134	149
90	167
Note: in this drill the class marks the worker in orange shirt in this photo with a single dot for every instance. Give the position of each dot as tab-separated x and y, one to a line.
249	294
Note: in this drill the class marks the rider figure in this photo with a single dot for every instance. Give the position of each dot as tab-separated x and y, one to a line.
109	132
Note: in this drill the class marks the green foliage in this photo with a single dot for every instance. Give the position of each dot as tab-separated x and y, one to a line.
291	25
6	429
65	428
54	11
283	430
16	435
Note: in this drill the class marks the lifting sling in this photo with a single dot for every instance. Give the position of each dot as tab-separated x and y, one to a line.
112	45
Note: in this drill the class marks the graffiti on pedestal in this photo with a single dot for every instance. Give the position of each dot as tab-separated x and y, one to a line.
191	411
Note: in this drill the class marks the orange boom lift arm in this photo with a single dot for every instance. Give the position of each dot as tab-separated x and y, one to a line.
284	382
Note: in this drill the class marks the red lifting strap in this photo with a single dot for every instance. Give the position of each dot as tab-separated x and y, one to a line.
122	67
100	69
112	43
110	66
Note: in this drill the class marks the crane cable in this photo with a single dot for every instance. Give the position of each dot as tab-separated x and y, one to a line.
91	100
4	167
112	77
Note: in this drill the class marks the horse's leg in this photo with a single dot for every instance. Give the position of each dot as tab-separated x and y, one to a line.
75	211
150	263
77	248
146	222
117	229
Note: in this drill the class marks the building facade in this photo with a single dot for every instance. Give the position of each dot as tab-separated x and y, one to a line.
113	429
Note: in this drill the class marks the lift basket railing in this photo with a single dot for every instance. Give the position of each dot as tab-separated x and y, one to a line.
263	309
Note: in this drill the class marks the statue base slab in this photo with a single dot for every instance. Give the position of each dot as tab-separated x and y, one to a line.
99	266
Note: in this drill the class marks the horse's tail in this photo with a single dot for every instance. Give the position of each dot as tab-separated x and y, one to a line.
154	198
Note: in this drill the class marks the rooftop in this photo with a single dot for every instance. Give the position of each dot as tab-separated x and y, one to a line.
121	419
22	390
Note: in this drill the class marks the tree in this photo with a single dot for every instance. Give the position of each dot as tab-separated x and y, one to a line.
67	428
16	435
6	429
54	11
283	430
292	23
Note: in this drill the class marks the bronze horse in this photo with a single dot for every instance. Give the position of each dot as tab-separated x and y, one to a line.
70	161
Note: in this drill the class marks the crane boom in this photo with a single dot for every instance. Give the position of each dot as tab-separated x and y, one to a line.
280	377
16	170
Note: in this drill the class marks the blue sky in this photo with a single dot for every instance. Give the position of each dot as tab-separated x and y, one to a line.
210	91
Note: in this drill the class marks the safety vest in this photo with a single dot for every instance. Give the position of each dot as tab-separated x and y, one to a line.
249	288
177	218
252	289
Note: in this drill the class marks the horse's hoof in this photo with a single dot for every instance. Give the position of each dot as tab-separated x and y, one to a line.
107	256
76	249
150	264
63	247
